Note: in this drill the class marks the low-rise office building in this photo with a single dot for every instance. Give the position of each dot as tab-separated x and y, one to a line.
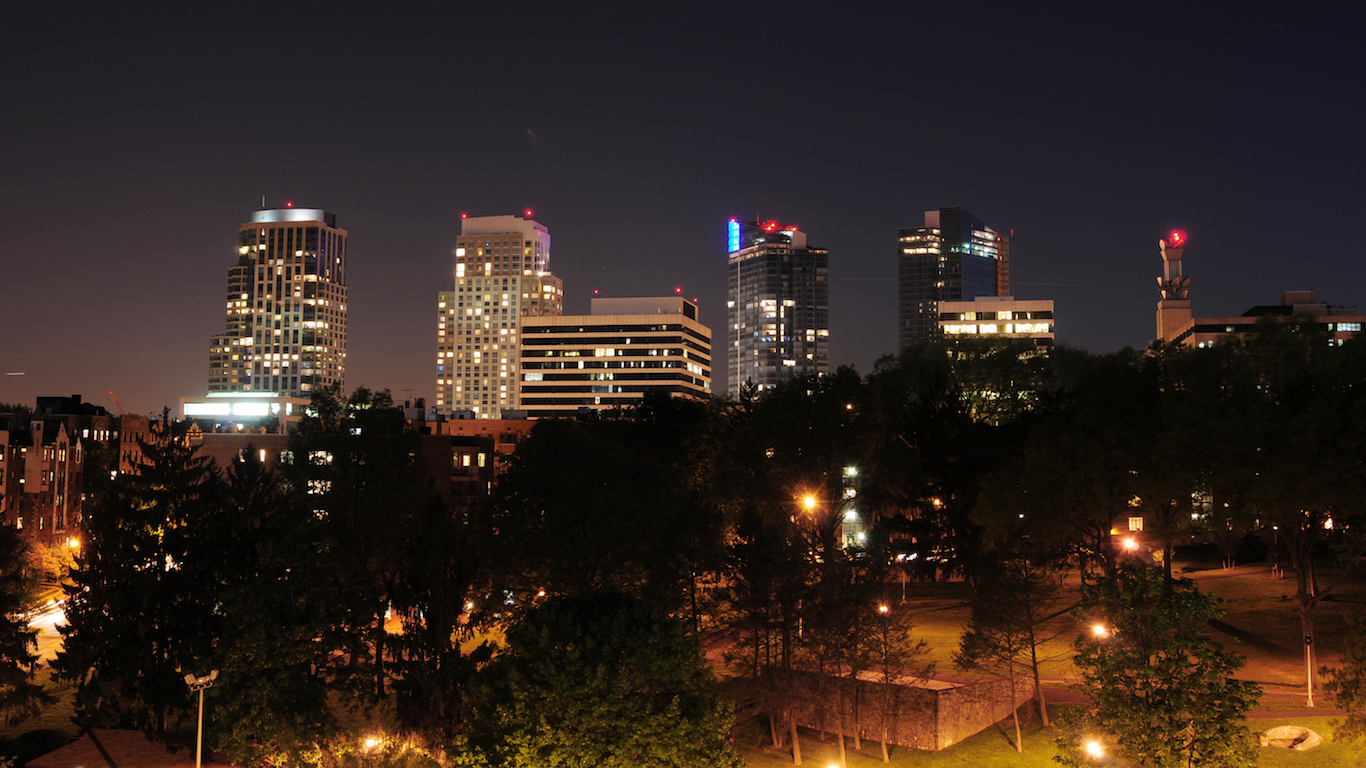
613	356
999	317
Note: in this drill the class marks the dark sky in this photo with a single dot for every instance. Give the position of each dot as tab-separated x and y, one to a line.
135	140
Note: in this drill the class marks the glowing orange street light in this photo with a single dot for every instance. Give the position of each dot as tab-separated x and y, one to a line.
1099	630
1130	545
1094	749
884	609
809	502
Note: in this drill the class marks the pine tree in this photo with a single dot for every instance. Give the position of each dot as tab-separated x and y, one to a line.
139	613
19	696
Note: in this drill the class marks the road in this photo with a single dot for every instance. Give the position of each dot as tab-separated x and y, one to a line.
46	622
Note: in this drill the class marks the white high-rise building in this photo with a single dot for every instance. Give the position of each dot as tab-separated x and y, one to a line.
502	274
286	306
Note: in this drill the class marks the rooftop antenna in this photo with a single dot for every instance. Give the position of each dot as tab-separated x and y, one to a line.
263	201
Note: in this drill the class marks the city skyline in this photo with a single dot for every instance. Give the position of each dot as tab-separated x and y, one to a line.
137	141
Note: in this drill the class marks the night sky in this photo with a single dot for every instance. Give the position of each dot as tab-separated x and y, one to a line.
135	140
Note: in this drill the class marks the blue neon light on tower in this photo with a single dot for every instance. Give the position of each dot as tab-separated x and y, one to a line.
734	236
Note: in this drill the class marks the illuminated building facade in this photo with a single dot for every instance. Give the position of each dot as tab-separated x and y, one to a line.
954	257
502	274
999	317
41	477
286	306
778	308
245	411
612	357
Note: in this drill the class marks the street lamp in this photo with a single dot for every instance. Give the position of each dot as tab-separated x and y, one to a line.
809	502
199	684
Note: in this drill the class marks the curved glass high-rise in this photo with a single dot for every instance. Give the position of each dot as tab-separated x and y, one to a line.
286	306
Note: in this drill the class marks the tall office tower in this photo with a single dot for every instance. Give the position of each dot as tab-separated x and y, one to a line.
286	306
954	257
502	274
778	312
612	357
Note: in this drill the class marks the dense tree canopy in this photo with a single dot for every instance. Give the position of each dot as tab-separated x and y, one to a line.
337	593
602	681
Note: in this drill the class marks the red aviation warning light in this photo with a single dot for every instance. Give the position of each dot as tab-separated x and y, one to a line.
528	213
678	290
464	215
1178	238
289	203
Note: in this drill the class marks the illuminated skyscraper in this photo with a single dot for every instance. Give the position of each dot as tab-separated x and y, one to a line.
286	306
778	312
954	257
502	274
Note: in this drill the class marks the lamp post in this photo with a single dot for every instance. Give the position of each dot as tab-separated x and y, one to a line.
199	684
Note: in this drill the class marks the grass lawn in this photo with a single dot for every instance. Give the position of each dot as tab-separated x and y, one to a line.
56	716
941	612
987	749
1265	620
995	747
1329	754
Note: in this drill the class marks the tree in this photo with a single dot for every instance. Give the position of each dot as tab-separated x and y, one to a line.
895	658
605	681
949	411
1012	604
580	510
139	612
1292	429
353	467
1161	688
444	561
276	601
50	563
1076	469
19	696
22	412
1346	684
